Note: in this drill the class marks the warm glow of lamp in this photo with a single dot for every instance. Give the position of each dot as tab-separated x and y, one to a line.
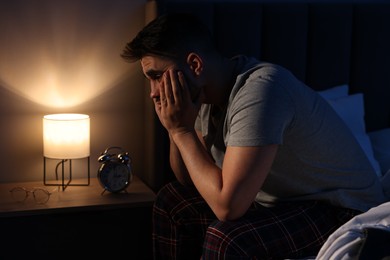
66	136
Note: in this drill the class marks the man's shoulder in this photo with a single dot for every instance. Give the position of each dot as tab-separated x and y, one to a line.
250	67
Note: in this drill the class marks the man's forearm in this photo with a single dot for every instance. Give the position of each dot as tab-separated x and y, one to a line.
177	164
205	175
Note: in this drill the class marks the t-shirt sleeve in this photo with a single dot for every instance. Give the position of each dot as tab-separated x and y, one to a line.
260	113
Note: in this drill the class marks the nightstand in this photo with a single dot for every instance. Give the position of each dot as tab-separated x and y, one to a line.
78	221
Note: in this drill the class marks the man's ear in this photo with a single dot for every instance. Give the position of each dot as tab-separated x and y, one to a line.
195	62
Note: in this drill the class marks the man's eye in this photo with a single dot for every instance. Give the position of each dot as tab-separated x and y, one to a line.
156	77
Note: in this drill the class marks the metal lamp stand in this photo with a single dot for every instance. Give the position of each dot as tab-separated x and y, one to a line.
63	182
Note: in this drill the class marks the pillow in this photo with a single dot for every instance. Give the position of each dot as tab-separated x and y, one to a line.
335	92
351	110
380	141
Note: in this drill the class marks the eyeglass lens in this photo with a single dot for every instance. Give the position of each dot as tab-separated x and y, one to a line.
41	196
19	194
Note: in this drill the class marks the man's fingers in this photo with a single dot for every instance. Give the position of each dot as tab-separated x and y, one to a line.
165	90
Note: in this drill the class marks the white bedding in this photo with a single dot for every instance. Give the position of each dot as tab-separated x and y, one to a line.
346	242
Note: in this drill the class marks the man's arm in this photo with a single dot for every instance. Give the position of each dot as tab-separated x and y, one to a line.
177	164
231	190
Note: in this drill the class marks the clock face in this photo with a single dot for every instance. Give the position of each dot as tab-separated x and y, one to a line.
114	176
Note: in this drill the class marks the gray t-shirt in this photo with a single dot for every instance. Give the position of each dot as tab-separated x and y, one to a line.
318	157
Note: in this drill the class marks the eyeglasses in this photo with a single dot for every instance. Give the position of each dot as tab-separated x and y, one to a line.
20	194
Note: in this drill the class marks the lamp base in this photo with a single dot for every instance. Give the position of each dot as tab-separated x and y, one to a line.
63	181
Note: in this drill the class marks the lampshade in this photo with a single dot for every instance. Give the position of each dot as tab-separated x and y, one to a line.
66	136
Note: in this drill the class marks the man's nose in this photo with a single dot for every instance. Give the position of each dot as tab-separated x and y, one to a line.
154	90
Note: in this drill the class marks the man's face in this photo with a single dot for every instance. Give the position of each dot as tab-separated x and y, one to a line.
154	68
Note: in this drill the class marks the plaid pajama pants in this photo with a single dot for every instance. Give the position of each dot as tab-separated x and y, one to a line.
184	227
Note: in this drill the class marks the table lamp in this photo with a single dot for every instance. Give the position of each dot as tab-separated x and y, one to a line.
65	138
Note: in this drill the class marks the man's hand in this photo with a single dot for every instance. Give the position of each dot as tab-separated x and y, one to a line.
178	112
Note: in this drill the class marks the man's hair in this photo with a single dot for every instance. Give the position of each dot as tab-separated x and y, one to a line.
170	36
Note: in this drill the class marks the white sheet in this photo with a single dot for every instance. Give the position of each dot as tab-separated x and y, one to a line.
346	241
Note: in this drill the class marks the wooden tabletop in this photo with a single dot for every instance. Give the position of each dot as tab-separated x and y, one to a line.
74	198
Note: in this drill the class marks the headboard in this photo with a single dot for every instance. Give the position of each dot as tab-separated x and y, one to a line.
323	44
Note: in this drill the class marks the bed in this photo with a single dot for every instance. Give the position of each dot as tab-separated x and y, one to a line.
340	49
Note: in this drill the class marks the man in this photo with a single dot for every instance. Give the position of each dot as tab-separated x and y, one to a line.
265	167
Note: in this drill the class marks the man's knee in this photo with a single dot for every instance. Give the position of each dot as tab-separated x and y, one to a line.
168	194
225	240
179	200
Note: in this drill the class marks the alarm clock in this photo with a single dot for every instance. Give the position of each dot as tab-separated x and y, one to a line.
115	173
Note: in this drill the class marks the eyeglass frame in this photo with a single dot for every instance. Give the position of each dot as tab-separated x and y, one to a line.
27	193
